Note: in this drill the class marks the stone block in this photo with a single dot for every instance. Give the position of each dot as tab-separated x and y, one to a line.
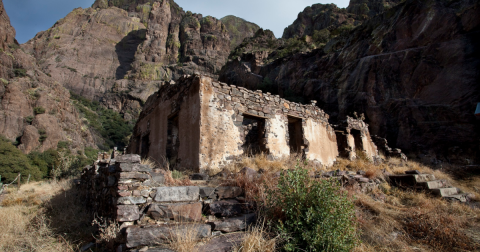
158	178
225	208
133	175
228	192
127	213
131	200
234	224
129	167
152	235
124	193
222	243
207	192
176	194
128	158
199	176
176	211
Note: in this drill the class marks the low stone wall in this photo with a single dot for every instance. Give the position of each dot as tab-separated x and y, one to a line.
149	212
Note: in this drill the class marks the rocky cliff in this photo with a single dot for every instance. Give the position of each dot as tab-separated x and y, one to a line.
120	52
239	29
413	71
36	112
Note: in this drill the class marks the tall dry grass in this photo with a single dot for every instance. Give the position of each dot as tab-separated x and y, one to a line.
43	216
257	239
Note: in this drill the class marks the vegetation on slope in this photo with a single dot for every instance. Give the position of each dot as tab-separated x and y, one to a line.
109	124
53	163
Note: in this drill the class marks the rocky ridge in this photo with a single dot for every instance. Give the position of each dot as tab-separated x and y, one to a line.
138	44
412	70
36	110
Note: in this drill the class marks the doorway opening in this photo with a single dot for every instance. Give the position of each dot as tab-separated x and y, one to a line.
295	133
357	136
173	140
254	133
145	146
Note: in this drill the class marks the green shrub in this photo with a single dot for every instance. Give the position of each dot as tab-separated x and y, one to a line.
321	36
13	161
314	215
14	46
38	110
19	72
29	119
43	135
108	123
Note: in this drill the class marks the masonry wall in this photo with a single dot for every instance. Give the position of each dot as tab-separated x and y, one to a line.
170	100
224	108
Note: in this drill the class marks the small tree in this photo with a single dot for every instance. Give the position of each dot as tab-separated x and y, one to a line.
313	215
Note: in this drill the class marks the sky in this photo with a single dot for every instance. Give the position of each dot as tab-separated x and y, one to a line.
29	17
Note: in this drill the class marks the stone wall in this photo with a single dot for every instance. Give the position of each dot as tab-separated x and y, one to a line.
217	122
352	136
149	212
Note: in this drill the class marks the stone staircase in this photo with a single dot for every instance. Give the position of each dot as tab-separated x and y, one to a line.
427	182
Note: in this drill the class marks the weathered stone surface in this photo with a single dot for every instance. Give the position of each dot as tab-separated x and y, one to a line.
249	173
132	167
176	211
199	176
234	224
127	213
181	193
225	208
222	243
128	158
134	175
152	235
131	200
158	178
228	192
208	192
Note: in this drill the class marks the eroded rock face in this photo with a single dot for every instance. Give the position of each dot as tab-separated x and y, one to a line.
121	52
412	70
7	33
36	111
239	29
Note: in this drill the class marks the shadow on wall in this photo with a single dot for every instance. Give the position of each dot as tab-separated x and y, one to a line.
126	50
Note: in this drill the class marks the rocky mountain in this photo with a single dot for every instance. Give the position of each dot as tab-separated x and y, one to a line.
36	111
120	52
239	29
413	71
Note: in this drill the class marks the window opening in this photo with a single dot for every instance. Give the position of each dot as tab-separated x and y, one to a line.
173	140
254	135
295	133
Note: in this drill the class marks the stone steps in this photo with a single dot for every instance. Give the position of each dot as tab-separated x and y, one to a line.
427	182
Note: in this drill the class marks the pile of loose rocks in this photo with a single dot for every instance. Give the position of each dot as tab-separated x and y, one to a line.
150	213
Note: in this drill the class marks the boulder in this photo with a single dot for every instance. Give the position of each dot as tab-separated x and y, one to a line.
225	208
234	224
228	192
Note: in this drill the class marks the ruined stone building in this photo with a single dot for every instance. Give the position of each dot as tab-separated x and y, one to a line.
199	124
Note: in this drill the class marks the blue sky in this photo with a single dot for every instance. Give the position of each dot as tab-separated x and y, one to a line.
31	16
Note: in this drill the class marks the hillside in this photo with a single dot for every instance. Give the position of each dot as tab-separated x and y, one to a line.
413	71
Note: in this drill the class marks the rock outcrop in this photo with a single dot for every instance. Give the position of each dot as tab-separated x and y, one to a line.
239	29
7	33
413	71
36	112
120	52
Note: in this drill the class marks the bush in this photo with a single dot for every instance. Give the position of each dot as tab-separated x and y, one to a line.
321	36
38	110
29	119
313	215
19	72
43	135
13	161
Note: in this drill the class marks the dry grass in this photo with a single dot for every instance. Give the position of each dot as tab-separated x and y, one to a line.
183	238
257	240
42	216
